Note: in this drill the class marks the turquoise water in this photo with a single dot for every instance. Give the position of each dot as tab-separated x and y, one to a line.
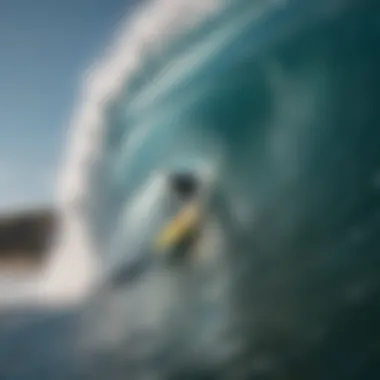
273	107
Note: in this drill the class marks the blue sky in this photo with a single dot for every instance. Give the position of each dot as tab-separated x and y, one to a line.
45	45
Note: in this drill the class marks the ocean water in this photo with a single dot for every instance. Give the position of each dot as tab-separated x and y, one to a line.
165	57
277	100
103	141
